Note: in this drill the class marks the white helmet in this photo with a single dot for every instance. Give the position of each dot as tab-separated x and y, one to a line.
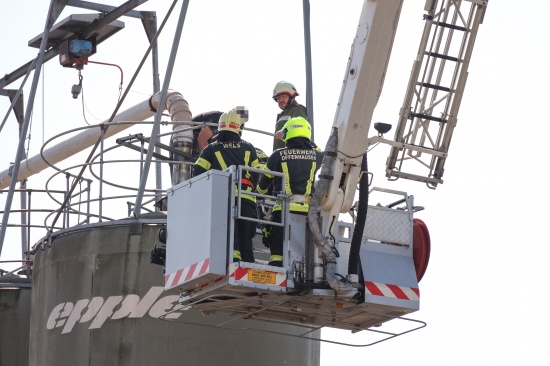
233	120
284	87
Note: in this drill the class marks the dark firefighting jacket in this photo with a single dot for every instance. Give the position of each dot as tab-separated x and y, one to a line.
228	149
299	161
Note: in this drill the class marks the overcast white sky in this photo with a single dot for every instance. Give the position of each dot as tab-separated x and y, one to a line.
483	293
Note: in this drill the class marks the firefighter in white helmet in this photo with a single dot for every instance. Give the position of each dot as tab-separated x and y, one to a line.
285	95
229	149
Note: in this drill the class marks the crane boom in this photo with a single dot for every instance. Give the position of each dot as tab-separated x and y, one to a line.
362	87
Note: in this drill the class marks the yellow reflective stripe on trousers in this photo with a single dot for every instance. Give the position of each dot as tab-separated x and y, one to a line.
276	258
222	163
237	254
287	180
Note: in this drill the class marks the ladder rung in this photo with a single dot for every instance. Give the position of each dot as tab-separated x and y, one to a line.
445	57
427	116
418	178
451	26
437	87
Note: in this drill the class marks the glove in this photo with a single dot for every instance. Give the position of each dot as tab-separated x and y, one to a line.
266	236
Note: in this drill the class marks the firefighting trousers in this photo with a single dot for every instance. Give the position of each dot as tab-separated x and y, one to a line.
277	236
244	232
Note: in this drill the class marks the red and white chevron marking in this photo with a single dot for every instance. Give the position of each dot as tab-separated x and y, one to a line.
188	273
394	291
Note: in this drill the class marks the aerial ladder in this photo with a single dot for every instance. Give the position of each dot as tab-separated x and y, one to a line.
352	276
428	116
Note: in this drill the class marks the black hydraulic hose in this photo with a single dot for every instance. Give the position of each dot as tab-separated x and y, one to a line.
353	263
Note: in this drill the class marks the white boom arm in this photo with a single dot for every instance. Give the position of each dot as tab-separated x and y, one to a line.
362	87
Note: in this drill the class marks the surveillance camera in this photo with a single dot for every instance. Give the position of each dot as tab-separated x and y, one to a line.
76	89
382	128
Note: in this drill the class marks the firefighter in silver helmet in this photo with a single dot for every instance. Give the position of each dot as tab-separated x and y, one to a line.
284	93
229	149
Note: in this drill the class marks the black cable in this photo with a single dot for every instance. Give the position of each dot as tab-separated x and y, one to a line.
355	247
